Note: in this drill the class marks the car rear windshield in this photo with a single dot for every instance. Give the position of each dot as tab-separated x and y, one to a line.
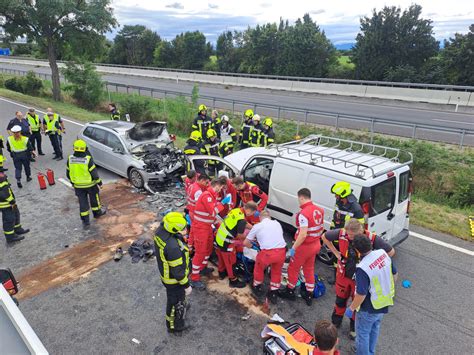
147	131
383	196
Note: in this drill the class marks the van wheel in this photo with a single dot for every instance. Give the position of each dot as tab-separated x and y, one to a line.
326	256
136	178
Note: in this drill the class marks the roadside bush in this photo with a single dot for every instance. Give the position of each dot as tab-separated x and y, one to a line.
85	84
138	107
2	81
32	85
14	84
179	114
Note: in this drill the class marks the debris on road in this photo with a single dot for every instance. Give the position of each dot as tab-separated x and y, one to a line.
136	341
141	249
246	317
406	284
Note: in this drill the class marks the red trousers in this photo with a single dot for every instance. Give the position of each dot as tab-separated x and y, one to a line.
203	245
227	260
304	258
190	234
345	288
273	257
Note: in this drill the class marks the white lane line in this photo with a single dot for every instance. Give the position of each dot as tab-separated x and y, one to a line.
443	244
21	105
451	121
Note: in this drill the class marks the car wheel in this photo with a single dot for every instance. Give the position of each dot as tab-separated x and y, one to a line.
326	256
136	178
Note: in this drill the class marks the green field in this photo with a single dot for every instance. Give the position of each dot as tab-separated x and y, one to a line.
344	60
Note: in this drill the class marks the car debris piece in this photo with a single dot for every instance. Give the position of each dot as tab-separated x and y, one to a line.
246	317
136	341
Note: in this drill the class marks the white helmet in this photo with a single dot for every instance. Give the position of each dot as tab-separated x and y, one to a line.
256	118
225	118
16	129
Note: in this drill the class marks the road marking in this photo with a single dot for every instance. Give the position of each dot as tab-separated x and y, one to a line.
65	182
18	104
443	244
451	121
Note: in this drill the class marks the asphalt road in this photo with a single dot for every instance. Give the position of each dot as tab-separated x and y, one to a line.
376	109
107	307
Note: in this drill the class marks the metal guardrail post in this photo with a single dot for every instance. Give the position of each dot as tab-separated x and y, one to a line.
462	138
213	103
116	88
151	93
279	109
139	92
337	121
127	89
254	107
233	107
372	122
414	132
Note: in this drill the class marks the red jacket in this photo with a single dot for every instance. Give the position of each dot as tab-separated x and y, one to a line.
315	216
207	208
344	248
192	193
252	192
187	183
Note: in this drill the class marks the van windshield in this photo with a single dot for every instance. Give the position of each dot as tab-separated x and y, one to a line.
383	196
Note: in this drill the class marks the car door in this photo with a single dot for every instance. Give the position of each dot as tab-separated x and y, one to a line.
116	155
89	136
258	171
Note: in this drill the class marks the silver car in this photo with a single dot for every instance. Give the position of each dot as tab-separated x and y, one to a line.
142	152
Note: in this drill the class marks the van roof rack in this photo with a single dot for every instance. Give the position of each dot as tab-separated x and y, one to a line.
338	151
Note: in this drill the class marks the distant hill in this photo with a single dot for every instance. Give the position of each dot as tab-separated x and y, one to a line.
344	46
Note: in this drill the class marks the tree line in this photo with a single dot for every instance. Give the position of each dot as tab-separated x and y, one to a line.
392	45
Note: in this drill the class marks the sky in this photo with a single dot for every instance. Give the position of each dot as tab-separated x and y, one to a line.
338	18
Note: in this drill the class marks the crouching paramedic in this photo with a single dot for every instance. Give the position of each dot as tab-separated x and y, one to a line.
233	227
172	256
269	236
193	193
82	173
205	212
247	192
307	245
346	266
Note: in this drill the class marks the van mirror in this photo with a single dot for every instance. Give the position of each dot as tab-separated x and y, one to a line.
8	281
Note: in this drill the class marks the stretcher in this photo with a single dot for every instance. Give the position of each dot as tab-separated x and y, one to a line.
291	340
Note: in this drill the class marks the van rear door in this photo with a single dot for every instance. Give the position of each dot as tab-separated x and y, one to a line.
401	220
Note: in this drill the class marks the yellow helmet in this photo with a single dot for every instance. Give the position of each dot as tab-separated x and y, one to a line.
196	135
211	133
202	108
341	188
268	122
174	222
248	113
80	146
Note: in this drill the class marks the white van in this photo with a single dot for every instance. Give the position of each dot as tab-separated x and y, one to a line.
379	176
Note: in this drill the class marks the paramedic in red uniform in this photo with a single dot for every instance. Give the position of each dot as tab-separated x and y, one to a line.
310	223
205	212
248	191
228	189
193	192
346	266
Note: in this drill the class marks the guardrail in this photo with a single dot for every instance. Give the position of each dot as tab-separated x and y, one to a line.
285	78
373	125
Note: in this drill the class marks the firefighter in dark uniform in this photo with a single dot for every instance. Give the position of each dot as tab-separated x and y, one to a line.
172	255
193	147
36	128
268	136
256	134
246	130
114	112
10	213
347	206
211	146
82	173
202	122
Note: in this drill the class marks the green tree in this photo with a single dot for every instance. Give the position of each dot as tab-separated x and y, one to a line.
85	84
391	39
229	51
303	49
458	58
164	55
260	46
134	45
53	23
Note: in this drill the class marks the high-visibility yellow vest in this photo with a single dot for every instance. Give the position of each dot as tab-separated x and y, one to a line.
18	146
223	235
378	266
34	122
51	124
79	172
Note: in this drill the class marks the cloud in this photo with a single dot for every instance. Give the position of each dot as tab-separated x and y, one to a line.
213	6
175	5
317	12
266	4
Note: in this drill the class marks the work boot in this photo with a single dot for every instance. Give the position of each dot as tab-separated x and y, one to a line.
257	291
18	183
14	238
86	222
273	296
288	293
179	330
41	153
336	319
198	285
21	230
222	275
236	283
307	296
99	213
206	271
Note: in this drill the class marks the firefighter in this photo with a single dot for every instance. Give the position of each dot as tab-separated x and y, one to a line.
53	126
256	134
21	151
10	214
82	173
205	212
211	147
347	260
114	112
247	191
216	123
347	206
310	224
202	122
193	147
268	136
172	256
231	229
228	137
246	130
36	130
193	193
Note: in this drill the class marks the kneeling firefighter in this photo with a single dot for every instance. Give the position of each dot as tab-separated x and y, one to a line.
172	255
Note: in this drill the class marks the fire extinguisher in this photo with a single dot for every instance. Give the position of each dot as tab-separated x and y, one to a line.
50	176
42	181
